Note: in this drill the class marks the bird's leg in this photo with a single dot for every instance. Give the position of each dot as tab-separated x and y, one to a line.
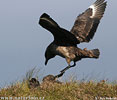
63	71
69	66
59	75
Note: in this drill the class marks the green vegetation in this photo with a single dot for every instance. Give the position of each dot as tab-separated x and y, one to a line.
65	91
52	90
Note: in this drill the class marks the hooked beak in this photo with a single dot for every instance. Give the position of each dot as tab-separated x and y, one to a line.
46	61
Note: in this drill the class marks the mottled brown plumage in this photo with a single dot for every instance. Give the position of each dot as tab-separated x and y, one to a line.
86	23
51	78
33	83
65	42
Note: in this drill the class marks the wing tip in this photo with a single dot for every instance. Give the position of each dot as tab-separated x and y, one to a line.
44	15
98	9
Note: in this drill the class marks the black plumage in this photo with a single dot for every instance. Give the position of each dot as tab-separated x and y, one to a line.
65	42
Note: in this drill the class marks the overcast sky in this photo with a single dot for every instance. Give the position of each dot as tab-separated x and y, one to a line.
23	41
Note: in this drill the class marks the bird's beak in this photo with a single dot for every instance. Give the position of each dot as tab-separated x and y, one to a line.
46	61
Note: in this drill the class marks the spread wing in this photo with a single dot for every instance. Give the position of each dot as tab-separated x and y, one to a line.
61	36
86	23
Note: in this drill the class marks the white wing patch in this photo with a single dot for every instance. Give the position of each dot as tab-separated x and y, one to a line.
98	9
93	10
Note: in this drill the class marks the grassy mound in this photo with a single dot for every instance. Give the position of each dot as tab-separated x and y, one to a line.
65	91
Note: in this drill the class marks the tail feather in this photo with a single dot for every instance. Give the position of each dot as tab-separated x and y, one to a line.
96	53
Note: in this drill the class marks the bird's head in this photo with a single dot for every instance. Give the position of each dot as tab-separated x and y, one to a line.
47	22
48	55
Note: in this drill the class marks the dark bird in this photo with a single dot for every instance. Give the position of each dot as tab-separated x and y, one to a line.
65	42
33	83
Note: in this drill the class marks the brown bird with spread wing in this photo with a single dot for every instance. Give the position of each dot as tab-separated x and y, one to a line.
65	42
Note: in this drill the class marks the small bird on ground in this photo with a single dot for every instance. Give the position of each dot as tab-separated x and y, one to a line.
65	42
33	83
51	78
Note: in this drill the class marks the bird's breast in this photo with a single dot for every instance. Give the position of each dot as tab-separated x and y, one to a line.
62	51
65	52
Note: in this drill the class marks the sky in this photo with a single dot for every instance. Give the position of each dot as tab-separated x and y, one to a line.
23	42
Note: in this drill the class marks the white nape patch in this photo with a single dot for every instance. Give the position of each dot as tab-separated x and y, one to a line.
93	10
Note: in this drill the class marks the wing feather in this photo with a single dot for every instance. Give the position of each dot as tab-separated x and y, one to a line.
86	23
61	36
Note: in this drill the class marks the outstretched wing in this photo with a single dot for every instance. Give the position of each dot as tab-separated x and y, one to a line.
86	24
61	36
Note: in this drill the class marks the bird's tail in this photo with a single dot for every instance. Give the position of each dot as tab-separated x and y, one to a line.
95	53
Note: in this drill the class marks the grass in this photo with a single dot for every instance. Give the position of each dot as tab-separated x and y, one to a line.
72	90
65	91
